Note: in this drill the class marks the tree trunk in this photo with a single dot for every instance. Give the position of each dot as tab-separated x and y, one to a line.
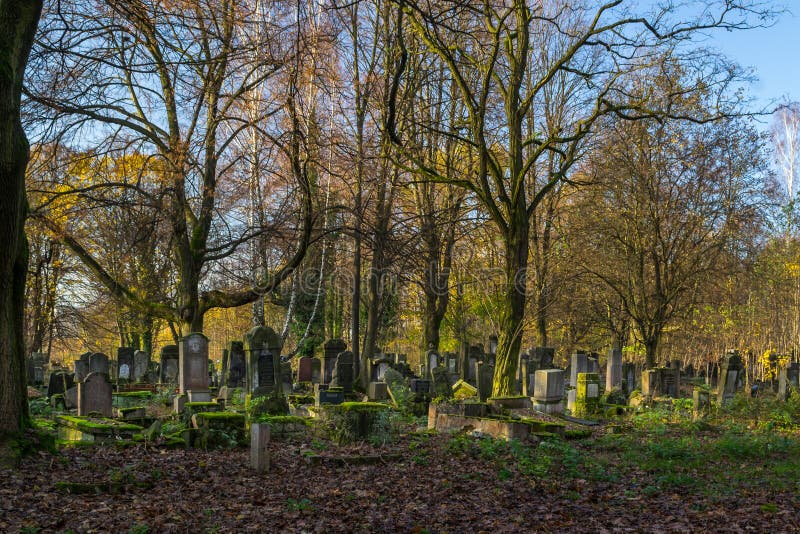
513	306
18	21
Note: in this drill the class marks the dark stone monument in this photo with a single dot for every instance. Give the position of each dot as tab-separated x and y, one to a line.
59	383
141	364
94	395
304	369
82	366
170	356
98	363
237	365
262	347
730	375
614	369
193	367
332	349
343	374
125	363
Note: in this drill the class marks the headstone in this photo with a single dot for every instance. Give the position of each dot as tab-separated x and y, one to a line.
671	380
485	374
331	351
59	383
141	363
464	390
343	373
377	391
579	363
225	369
94	395
587	397
629	375
440	382
259	447
286	377
793	374
650	384
432	360
170	358
81	368
452	363
729	377
36	360
98	363
304	369
420	385
263	348
193	365
544	356
71	398
525	377
701	404
237	365
614	369
125	363
316	371
324	394
783	384
548	391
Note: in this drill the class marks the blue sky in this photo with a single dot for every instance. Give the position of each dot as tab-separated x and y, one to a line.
773	53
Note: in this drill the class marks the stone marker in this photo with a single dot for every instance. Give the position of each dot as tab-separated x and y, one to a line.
262	347
729	377
94	395
548	391
464	390
332	349
141	364
325	394
614	369
125	363
701	404
650	384
59	383
304	369
343	373
236	369
193	367
36	360
377	391
793	374
259	447
170	358
587	398
98	363
579	363
316	371
81	366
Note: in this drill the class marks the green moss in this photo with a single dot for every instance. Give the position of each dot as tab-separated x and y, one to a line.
284	420
578	434
510	397
300	399
103	425
125	411
361	407
200	405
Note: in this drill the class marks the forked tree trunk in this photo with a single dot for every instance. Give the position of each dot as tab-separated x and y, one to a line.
18	21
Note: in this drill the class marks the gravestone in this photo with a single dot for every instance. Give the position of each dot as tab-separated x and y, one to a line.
343	373
650	384
34	367
543	356
548	391
579	363
225	369
81	366
629	375
671	380
259	447
485	374
98	363
170	359
141	364
452	363
587	398
525	377
729	377
377	391
420	385
783	384
432	361
304	369
237	365
125	363
263	349
614	369
324	394
316	370
440	382
286	377
94	395
331	351
464	390
59	383
193	367
701	404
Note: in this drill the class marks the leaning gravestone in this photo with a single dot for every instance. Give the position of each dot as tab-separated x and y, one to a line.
263	349
141	363
94	395
170	358
98	363
125	363
59	383
331	351
193	367
579	364
343	374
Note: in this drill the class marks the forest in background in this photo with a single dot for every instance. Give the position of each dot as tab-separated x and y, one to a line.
558	174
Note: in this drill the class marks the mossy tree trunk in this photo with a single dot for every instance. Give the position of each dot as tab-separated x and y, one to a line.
18	21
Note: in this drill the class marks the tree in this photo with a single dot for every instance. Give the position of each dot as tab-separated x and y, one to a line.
672	202
18	21
167	78
519	156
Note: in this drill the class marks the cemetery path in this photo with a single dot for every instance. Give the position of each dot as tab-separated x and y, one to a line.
422	483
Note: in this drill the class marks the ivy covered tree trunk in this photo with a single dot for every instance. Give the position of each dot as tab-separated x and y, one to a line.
18	20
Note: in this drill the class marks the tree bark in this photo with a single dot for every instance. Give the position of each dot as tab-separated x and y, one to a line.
18	21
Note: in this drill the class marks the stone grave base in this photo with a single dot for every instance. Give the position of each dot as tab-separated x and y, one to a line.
73	429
